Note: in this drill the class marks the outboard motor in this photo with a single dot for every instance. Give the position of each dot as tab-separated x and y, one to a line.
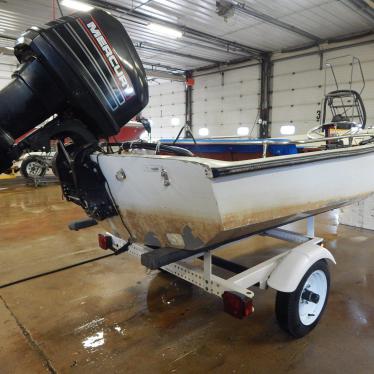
82	67
85	72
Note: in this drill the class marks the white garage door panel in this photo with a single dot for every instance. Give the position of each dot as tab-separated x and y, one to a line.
296	65
225	102
299	106
169	110
298	97
288	115
247	102
369	104
364	52
204	106
243	74
313	78
243	118
166	100
164	132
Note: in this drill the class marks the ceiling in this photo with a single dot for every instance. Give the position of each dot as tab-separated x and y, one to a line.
250	28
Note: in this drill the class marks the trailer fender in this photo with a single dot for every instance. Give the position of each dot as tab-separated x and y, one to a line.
288	273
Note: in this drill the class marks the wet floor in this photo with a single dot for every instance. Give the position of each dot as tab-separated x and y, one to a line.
112	316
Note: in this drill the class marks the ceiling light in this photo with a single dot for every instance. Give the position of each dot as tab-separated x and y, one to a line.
77	5
165	31
203	131
10	48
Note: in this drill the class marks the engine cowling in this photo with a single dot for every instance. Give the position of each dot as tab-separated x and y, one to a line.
83	67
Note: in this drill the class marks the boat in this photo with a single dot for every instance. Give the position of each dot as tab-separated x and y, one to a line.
173	202
189	194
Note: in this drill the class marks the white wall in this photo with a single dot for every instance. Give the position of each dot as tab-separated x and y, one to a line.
224	102
7	66
298	87
166	101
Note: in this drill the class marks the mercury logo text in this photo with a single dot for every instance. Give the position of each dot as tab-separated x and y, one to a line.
108	53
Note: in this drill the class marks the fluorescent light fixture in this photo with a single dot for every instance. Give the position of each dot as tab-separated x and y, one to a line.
77	5
287	130
175	121
203	131
10	48
165	31
242	131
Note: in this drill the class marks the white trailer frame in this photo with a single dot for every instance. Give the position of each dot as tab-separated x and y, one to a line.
282	272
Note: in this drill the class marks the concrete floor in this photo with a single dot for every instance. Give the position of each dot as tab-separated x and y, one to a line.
112	316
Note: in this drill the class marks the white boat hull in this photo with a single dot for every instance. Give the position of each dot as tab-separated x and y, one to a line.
182	203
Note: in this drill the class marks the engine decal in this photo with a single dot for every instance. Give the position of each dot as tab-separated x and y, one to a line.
110	57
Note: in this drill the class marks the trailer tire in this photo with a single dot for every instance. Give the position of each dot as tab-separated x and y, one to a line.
297	315
33	167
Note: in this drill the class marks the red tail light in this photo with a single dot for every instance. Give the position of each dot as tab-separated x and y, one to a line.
105	241
237	305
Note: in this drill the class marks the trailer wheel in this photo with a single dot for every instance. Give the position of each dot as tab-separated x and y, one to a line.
33	167
299	312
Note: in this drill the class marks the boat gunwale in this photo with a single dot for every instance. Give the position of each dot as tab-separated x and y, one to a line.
225	168
284	161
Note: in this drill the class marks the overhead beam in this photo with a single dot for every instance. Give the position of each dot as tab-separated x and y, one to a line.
149	47
227	44
165	75
244	8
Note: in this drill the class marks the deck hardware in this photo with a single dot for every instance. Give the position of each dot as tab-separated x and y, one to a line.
165	176
120	175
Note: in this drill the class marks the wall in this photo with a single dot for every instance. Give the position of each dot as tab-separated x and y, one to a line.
7	66
166	108
222	102
298	87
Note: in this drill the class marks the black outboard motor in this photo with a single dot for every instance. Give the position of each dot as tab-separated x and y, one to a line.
82	67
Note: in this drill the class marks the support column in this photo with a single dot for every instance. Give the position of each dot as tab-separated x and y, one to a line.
265	96
188	111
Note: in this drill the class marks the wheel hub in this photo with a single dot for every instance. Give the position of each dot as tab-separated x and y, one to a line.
34	169
312	298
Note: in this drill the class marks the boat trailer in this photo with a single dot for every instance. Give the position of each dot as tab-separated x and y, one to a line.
299	275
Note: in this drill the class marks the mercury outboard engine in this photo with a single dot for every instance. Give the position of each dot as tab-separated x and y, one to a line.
84	70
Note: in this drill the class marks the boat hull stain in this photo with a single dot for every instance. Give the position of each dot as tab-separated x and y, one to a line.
151	228
248	218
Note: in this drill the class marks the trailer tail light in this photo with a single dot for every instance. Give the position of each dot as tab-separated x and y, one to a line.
105	241
237	305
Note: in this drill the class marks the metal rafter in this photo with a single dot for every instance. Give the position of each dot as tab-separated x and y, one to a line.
165	75
273	21
154	48
187	31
